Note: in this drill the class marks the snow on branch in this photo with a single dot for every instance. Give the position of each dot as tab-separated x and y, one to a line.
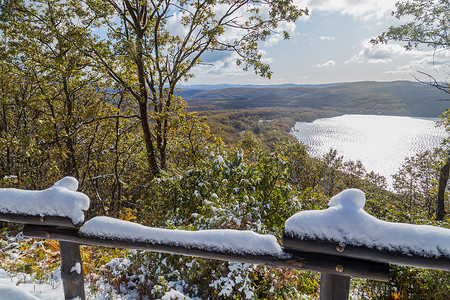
345	222
60	200
221	240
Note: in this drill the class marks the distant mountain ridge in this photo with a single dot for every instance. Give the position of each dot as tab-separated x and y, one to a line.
204	87
402	98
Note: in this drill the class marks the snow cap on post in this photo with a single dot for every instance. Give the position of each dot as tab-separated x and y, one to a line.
349	199
60	200
68	182
346	223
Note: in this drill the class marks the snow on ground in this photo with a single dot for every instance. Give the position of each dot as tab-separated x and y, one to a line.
174	295
346	222
21	287
14	292
224	240
61	199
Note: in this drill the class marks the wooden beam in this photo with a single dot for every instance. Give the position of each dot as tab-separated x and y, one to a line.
37	220
72	270
334	287
293	259
339	265
368	254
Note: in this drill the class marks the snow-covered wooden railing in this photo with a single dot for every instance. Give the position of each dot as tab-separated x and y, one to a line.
340	242
346	230
59	205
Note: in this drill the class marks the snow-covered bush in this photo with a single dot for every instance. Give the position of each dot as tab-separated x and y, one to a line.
226	191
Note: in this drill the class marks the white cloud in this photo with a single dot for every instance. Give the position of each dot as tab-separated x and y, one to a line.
264	58
220	65
223	65
232	33
174	24
367	10
428	62
326	38
329	63
380	53
277	37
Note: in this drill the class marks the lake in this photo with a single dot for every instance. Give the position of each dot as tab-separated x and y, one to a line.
381	143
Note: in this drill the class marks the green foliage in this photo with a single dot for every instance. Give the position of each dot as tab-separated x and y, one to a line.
191	140
226	191
37	258
407	283
429	25
417	182
152	274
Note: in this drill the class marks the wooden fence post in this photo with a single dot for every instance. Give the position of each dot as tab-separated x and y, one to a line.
334	287
72	270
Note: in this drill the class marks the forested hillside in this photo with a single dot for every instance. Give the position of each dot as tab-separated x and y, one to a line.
271	111
402	98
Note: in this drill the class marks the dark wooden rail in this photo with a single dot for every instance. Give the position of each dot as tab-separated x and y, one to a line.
38	220
293	259
364	253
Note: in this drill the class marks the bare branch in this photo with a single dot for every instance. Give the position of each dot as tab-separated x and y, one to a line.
433	82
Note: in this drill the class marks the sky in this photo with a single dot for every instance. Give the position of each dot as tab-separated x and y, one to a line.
331	45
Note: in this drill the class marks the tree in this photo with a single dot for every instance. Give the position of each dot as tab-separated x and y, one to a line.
144	53
42	47
445	169
54	120
429	26
417	180
332	165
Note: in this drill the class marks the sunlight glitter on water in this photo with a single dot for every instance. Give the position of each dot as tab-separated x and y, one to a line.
381	143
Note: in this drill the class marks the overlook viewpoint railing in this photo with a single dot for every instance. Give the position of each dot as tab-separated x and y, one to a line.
340	242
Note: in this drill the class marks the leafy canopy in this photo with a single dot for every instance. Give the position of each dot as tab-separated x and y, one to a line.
429	25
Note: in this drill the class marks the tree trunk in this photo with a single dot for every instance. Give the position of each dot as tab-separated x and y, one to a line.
148	140
443	179
72	270
334	287
143	92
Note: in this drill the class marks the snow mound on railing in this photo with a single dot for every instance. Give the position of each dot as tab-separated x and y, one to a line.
60	200
221	240
346	223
